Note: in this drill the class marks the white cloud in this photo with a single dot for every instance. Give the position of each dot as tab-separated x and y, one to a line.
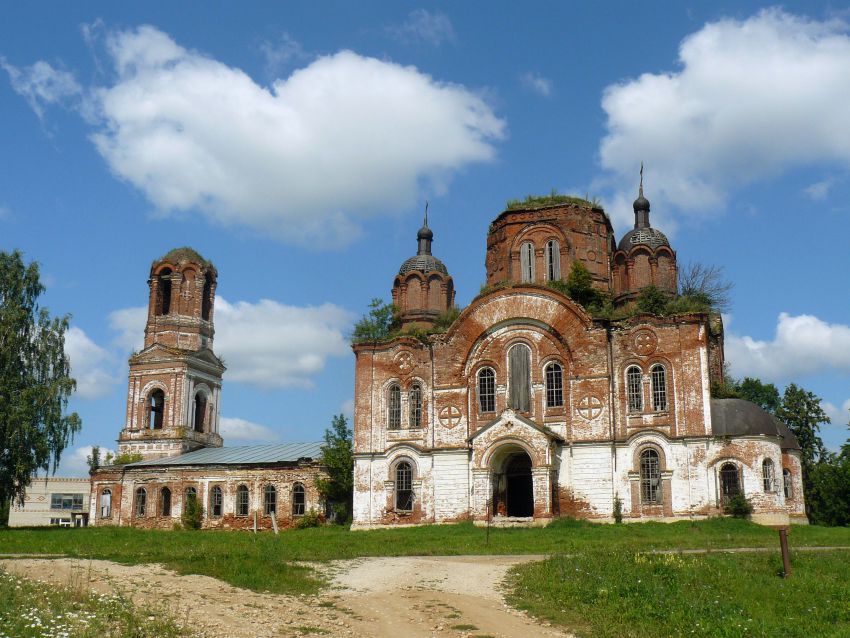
425	27
281	52
347	408
820	190
535	82
802	345
267	344
91	365
73	462
41	84
306	160
837	416
752	98
233	428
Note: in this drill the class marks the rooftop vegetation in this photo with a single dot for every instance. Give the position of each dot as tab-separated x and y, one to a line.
552	199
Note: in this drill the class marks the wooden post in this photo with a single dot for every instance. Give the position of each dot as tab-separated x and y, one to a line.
786	557
255	521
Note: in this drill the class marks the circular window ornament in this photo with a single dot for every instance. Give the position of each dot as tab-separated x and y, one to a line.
644	342
450	416
404	361
589	407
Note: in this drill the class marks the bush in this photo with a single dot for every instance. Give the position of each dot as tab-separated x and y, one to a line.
192	515
618	509
310	519
738	506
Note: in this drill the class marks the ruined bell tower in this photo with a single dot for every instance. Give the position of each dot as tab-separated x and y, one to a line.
174	389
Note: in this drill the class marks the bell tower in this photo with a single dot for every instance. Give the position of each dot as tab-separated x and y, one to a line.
174	389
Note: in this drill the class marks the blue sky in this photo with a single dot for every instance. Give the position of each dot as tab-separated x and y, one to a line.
294	145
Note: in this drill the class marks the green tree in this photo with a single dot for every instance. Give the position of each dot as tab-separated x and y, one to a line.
376	325
35	380
705	285
828	496
764	395
579	287
652	301
93	459
193	513
338	460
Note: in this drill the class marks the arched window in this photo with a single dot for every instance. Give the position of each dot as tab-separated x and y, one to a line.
242	501
650	477
206	300
163	305
659	388
106	503
554	385
216	501
191	494
200	411
403	487
156	409
141	501
519	382
394	407
165	502
786	483
730	484
767	475
634	389
553	260
414	402
269	500
299	500
487	390
526	262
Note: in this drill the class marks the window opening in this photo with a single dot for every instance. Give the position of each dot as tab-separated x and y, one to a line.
190	494
156	409
414	400
200	411
206	300
519	365
165	502
394	407
269	500
164	287
767	475
404	487
786	483
554	385
553	260
634	389
659	388
299	500
650	477
106	503
487	390
216	501
729	482
66	501
241	501
141	501
526	258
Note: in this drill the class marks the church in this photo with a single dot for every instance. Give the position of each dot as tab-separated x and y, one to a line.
528	407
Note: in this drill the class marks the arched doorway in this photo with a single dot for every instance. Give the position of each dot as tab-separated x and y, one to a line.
513	492
730	484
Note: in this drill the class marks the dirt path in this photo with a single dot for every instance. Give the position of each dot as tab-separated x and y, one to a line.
370	597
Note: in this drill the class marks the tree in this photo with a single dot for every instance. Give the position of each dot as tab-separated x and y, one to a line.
652	301
376	325
764	395
338	460
705	284
580	286
35	380
93	459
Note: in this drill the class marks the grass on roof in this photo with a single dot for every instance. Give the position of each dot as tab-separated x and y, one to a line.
552	199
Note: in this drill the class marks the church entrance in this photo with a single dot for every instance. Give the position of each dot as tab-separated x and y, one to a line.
513	488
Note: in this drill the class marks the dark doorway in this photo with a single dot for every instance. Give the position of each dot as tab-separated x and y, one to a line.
519	494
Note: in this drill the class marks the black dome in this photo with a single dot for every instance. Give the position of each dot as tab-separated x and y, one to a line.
425	233
424	263
646	236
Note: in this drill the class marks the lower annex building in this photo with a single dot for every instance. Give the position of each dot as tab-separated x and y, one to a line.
528	407
172	423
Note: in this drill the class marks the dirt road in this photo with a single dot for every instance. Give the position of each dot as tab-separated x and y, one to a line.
370	597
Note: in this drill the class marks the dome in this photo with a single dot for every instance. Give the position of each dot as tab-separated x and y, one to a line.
736	417
425	233
647	236
424	263
641	203
184	253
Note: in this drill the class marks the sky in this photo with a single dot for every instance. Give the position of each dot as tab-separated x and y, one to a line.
294	145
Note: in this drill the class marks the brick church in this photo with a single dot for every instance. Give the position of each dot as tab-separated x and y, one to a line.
528	407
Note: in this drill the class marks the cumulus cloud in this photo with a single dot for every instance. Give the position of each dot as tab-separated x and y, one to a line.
282	51
266	344
422	26
752	98
73	462
802	345
536	83
306	159
41	85
91	365
819	191
837	416
233	428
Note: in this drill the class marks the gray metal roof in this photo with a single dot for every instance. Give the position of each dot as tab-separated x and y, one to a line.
651	237
736	417
244	455
423	263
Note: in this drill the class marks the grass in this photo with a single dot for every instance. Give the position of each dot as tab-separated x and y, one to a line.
265	562
30	609
602	594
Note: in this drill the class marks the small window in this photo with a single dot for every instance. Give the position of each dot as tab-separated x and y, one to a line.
106	503
269	500
242	501
404	487
414	401
299	500
487	390
200	411
650	477
634	389
190	494
165	502
394	407
519	368
156	405
659	388
554	385
216	501
164	295
206	300
141	501
767	475
786	483
526	259
553	260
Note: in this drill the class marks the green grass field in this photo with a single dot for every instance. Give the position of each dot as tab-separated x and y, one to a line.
597	571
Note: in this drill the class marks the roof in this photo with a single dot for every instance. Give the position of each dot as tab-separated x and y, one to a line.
737	417
243	455
505	417
184	253
423	263
651	237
